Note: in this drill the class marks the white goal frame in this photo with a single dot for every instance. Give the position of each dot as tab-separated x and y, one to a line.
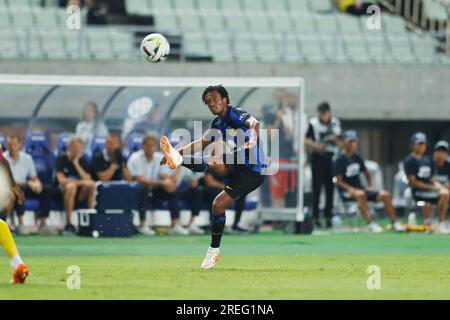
291	214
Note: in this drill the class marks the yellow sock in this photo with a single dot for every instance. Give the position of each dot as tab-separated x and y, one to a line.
7	242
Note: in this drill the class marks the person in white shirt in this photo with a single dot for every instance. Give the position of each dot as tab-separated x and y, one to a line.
158	184
24	172
90	126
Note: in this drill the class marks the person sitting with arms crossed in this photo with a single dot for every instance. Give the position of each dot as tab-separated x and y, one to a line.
420	173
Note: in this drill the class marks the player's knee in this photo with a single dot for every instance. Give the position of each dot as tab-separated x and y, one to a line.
217	207
91	186
444	194
170	188
385	196
361	196
359	193
70	188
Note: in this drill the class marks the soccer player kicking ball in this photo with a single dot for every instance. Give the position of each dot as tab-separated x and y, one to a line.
21	271
245	170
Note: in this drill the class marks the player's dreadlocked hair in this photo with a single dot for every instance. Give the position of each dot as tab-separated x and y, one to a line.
220	89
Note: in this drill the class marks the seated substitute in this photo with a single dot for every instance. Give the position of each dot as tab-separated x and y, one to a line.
74	180
420	173
441	163
158	184
24	172
109	164
192	192
347	169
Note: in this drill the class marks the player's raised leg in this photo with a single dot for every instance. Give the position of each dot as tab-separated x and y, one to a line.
20	270
174	159
220	203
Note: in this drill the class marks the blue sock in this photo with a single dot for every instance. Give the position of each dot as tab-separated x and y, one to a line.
218	224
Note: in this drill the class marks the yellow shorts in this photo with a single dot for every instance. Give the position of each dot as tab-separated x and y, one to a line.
344	4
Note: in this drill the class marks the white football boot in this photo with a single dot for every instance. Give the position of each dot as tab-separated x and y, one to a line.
178	229
173	157
146	231
441	228
396	226
375	228
212	255
193	229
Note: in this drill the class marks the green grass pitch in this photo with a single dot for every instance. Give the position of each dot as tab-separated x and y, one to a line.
268	265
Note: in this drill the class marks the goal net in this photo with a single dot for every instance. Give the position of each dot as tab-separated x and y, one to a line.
53	105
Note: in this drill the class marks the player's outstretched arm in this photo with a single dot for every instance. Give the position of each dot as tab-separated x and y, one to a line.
253	125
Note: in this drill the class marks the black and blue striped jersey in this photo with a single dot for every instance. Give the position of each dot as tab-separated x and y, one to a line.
235	133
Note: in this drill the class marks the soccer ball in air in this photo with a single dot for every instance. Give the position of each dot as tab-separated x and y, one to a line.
155	48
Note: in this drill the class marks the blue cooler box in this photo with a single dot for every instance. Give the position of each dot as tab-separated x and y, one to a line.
117	195
108	223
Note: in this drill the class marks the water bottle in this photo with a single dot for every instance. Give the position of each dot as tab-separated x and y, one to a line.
336	221
412	221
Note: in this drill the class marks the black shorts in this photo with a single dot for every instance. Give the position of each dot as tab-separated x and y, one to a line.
430	196
370	195
243	181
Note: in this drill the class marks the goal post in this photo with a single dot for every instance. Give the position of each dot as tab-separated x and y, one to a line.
61	95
